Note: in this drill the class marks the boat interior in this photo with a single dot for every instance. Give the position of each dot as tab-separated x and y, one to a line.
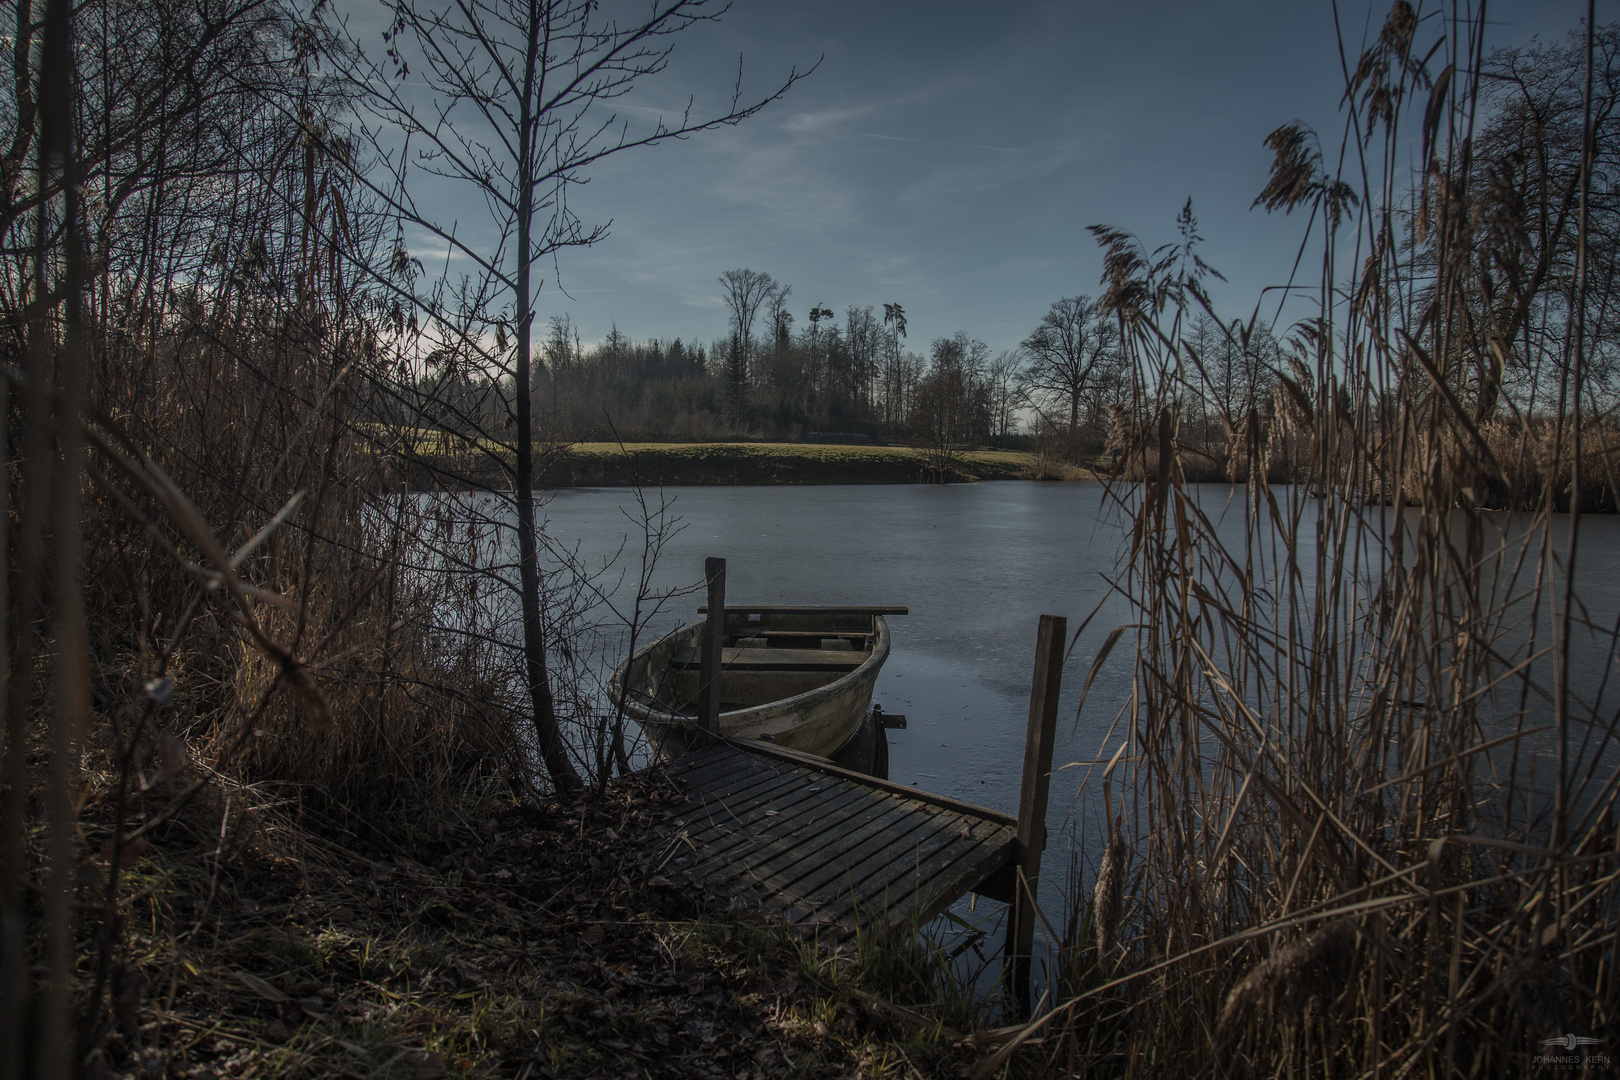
770	655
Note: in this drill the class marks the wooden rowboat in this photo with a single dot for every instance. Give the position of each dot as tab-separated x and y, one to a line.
799	678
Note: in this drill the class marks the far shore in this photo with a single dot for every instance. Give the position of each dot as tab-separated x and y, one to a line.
674	464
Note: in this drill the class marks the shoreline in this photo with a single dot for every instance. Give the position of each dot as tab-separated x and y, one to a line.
741	464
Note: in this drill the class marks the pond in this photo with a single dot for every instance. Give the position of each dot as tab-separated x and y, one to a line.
976	565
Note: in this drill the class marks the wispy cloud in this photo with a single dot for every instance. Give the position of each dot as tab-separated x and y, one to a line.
940	142
834	116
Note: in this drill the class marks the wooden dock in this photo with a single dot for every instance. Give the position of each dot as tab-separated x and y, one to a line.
831	851
824	848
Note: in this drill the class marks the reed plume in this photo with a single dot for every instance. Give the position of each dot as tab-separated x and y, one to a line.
1108	897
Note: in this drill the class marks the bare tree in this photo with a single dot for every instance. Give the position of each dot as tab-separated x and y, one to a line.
780	317
1069	347
1004	395
517	110
950	402
899	370
746	291
863	335
1544	120
816	340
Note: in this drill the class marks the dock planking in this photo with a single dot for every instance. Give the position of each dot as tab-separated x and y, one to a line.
824	848
835	852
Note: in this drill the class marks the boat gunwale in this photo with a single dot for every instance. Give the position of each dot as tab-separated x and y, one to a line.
620	693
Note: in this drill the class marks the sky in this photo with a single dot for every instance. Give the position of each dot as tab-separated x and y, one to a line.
948	156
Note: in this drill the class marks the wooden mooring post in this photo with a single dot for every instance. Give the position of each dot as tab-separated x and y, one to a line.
714	639
1037	784
832	850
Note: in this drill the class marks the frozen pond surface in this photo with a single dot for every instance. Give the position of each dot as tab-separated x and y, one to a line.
977	565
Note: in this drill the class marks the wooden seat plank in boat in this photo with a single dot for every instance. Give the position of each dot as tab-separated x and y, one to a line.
749	659
824	847
812	635
747	610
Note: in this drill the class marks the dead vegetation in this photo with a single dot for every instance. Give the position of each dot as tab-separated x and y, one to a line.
272	802
526	939
237	652
1366	780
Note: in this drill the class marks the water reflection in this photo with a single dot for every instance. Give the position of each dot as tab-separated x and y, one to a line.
977	565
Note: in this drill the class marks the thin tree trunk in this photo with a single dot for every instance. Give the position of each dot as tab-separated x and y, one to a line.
547	733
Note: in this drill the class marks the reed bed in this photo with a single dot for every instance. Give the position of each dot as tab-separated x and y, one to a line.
1361	801
218	653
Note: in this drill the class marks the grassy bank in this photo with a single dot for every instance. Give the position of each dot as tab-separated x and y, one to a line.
609	464
530	940
604	464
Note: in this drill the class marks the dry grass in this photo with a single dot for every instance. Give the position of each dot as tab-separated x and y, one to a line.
220	635
1367	774
522	940
808	459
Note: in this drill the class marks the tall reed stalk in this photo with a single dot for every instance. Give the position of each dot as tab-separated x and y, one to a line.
1367	772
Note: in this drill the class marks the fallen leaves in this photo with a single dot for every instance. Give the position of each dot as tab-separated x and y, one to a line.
129	853
539	942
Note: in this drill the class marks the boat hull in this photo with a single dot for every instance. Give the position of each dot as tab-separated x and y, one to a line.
818	712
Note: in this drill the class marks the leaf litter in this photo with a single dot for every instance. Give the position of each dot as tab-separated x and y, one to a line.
532	940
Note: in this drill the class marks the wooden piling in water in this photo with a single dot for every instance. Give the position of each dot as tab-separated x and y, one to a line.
1037	783
714	639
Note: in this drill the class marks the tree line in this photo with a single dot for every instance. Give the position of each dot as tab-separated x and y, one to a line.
1061	388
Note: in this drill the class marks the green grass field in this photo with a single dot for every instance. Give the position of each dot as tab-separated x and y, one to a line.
806	461
608	464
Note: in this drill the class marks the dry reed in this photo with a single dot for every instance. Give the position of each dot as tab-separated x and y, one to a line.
1370	760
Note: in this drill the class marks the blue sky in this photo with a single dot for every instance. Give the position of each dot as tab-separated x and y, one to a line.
949	156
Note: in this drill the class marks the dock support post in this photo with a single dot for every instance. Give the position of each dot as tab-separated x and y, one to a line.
714	639
1037	783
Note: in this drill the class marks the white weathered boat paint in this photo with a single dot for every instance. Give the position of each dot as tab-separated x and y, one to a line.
808	699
